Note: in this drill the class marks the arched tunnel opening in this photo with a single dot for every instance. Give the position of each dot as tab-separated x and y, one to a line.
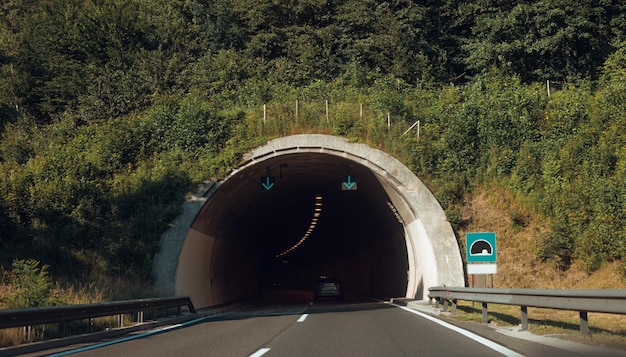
310	224
321	206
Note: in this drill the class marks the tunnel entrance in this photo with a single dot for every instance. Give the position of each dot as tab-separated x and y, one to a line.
310	205
310	224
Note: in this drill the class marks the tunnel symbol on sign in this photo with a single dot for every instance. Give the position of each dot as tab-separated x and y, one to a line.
481	247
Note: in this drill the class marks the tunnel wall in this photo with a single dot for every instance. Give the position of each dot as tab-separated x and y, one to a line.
193	273
165	262
213	273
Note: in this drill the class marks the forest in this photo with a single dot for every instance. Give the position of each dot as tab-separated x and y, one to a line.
111	111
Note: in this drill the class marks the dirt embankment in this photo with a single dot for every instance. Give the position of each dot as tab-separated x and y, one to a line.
518	231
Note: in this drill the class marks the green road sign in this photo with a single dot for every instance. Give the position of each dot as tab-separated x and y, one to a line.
481	247
349	185
267	182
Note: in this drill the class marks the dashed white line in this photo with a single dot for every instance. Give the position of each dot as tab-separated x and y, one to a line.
263	351
260	352
303	317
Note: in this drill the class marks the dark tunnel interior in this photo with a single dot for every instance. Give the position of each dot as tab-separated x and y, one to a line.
357	236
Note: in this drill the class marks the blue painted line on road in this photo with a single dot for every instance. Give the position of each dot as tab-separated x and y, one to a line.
488	343
129	338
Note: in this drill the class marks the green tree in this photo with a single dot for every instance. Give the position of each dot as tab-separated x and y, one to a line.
31	283
563	40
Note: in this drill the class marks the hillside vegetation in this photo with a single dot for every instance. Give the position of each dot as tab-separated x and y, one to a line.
111	110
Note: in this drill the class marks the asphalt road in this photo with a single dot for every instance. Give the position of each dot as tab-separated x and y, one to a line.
289	325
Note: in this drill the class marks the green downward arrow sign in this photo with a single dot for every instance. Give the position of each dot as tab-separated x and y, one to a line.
349	185
268	184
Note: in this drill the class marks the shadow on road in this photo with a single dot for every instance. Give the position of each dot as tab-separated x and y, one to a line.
278	302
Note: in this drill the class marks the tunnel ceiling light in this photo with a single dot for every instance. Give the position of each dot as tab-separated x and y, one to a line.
317	212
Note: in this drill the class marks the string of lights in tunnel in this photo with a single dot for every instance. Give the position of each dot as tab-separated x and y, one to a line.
317	212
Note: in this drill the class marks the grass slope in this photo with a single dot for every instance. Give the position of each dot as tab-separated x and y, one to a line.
518	230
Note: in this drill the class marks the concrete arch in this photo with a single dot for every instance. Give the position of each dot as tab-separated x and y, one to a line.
219	253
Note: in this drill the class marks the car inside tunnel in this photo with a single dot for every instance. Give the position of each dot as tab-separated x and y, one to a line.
314	205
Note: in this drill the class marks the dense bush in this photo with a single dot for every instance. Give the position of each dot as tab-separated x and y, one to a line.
110	110
31	285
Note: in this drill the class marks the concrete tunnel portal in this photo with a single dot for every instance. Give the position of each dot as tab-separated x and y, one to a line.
308	205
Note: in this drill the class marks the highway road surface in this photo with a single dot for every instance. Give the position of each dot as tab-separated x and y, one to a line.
289	324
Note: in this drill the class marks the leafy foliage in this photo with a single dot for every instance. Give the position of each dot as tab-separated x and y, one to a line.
31	284
110	110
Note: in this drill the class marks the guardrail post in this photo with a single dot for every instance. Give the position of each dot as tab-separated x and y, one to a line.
445	305
584	323
453	313
27	318
524	318
485	319
610	301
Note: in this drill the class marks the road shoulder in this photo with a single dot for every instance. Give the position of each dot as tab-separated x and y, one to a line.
510	331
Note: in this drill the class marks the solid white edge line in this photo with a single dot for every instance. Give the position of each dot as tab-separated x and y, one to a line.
260	352
303	317
128	338
488	343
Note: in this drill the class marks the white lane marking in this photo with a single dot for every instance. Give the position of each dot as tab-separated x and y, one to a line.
260	352
303	317
488	343
129	338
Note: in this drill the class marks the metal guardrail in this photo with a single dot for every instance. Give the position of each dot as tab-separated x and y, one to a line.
53	314
583	301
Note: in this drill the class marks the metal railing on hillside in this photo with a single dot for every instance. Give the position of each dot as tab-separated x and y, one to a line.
583	301
54	314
